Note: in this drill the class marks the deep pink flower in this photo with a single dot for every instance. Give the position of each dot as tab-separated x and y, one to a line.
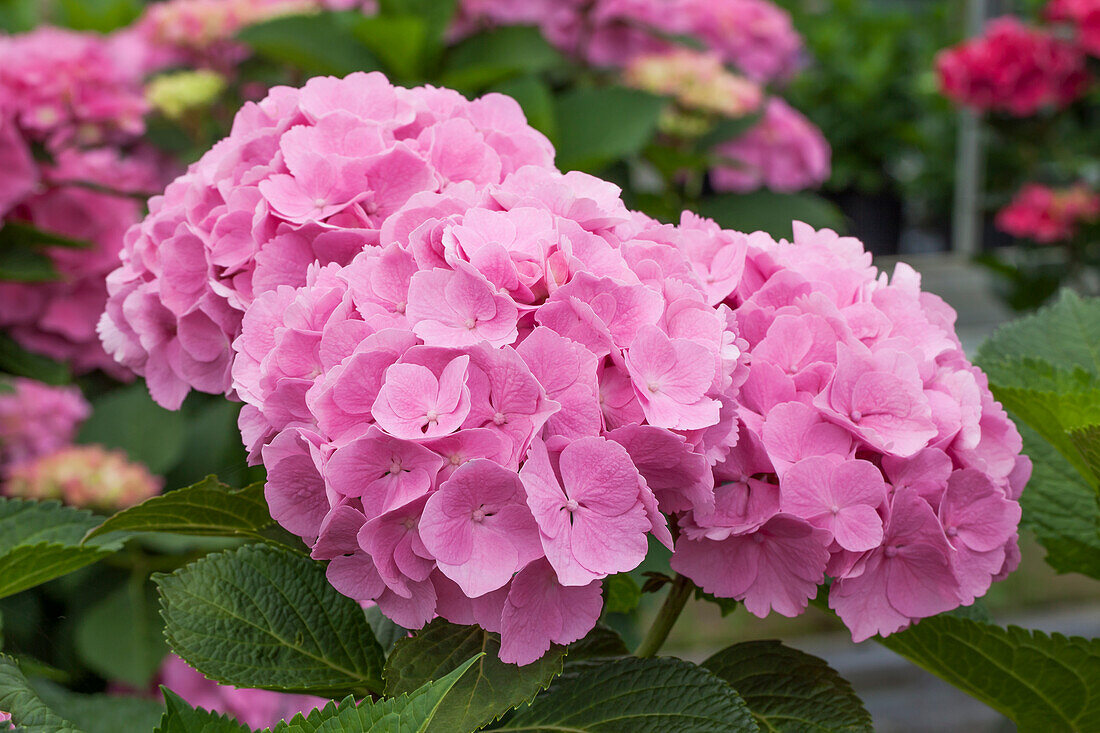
1012	68
1048	215
478	527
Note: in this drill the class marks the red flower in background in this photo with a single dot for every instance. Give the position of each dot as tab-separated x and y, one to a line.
1084	14
1012	68
1047	214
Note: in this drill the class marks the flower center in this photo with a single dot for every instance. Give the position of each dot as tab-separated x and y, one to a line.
319	203
500	418
478	515
395	465
572	505
891	551
654	387
952	531
456	460
856	415
834	509
433	416
471	323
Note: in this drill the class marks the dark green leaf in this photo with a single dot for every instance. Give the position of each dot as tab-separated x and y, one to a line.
26	707
599	126
103	713
621	594
14	359
20	233
493	56
411	713
488	691
208	508
1041	682
180	717
770	212
534	96
128	419
398	41
728	129
661	695
1061	508
789	690
26	265
600	643
318	44
40	541
97	15
264	617
121	636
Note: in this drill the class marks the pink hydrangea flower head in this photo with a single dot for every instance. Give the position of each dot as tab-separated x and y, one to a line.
784	152
86	476
254	708
308	176
1083	16
37	419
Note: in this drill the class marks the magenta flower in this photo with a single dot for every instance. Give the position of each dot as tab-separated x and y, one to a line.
459	308
841	497
592	521
385	472
478	527
412	403
540	610
778	567
671	378
909	576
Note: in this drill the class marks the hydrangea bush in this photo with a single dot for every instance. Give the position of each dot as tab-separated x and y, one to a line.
494	405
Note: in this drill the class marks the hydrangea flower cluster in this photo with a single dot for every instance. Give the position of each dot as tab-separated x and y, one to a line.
253	708
481	395
1083	15
1013	68
869	449
1046	214
66	95
784	152
198	33
37	419
87	476
755	36
305	175
698	81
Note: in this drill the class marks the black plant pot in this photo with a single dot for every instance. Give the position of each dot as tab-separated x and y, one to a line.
875	218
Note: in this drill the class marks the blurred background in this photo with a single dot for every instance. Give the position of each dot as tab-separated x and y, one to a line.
958	136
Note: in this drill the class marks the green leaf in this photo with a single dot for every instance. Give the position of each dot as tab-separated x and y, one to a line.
621	594
21	233
128	419
398	41
40	541
1065	334
728	129
789	690
319	44
14	359
97	15
598	126
770	212
208	508
180	717
496	55
409	713
491	689
662	695
26	707
121	636
260	616
1061	509
601	642
1086	439
534	96
25	265
103	713
1041	682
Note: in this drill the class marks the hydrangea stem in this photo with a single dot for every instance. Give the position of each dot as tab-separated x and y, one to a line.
677	598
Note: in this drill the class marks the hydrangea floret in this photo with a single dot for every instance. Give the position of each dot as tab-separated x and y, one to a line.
87	476
480	386
36	419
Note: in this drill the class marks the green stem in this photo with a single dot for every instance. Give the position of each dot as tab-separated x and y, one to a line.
677	598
